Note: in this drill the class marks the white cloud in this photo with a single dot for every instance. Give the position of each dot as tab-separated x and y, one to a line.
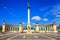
23	23
57	15
54	11
45	19
36	18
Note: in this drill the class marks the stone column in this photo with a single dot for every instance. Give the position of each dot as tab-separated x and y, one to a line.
40	28
15	29
3	27
47	28
10	29
37	27
54	27
20	27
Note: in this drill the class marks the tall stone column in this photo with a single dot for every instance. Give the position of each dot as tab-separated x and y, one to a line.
20	27
3	27
37	27
54	26
28	24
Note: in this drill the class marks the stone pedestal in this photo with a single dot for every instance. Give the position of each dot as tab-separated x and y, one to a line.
20	28
29	29
29	32
37	27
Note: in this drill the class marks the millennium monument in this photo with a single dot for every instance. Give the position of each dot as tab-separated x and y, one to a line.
28	24
38	27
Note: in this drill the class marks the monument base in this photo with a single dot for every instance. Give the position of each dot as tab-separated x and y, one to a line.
29	32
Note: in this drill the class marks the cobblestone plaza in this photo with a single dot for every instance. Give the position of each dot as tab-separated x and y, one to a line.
34	36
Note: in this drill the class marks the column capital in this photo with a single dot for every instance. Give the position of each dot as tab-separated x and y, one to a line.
36	24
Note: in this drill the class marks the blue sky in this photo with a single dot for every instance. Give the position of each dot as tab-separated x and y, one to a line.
15	11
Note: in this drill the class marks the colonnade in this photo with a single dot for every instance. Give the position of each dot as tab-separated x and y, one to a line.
38	27
11	28
46	28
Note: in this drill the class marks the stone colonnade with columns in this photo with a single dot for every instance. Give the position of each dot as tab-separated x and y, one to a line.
11	27
46	28
38	27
